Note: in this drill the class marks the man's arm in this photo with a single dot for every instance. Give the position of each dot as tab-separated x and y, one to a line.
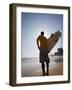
38	43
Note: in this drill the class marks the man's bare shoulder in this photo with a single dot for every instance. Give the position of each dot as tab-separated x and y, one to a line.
44	37
39	37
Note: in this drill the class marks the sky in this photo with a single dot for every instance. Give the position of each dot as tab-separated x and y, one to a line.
31	26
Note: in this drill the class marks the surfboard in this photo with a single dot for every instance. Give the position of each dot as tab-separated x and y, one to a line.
53	39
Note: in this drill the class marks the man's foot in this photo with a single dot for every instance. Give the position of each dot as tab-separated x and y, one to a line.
44	74
47	74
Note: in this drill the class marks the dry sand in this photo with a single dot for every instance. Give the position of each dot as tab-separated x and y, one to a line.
58	70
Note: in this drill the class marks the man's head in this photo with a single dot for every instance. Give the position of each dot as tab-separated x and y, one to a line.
42	33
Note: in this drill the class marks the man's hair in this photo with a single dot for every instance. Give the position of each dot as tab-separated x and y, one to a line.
42	33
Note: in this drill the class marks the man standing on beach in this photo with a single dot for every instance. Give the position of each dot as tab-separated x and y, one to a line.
43	57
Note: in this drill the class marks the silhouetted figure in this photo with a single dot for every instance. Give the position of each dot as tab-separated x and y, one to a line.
43	56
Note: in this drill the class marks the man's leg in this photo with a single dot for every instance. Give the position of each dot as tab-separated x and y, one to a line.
43	68
47	65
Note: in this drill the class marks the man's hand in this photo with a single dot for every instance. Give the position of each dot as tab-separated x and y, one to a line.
48	51
38	47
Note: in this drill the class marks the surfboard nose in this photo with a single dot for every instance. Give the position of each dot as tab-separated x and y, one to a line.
58	33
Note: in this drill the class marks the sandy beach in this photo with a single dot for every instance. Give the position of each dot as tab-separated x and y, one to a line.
57	70
34	68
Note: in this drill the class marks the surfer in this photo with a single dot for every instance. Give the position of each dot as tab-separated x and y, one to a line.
43	56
